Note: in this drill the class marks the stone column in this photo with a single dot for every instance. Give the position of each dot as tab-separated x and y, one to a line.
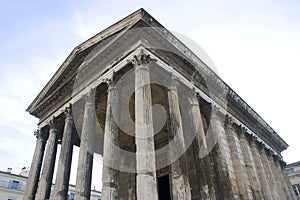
110	173
45	182
287	181
86	152
274	190
238	160
65	159
264	183
277	181
144	138
201	154
250	165
179	181
224	167
282	179
36	165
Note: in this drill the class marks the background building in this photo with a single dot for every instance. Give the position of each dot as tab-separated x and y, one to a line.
293	171
12	187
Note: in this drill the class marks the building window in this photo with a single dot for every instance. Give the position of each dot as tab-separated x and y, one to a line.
71	196
14	185
290	171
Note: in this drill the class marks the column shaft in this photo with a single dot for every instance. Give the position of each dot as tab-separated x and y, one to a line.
144	139
201	154
274	190
85	160
264	183
250	167
65	160
238	161
223	162
35	169
277	181
110	173
179	180
282	180
45	182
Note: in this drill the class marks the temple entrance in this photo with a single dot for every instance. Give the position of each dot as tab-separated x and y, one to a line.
164	187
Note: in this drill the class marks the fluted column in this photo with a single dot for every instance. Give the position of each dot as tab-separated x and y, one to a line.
277	181
287	181
264	183
268	171
223	162
65	159
36	165
85	160
144	138
238	160
282	180
110	176
201	156
250	165
45	182
179	181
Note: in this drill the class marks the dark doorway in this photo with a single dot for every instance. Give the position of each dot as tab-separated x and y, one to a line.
164	188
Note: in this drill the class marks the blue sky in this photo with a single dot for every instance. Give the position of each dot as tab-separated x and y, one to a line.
254	44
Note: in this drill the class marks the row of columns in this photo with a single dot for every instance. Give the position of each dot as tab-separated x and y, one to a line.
244	169
257	172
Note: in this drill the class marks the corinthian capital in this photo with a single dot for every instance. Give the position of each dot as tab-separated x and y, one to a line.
141	59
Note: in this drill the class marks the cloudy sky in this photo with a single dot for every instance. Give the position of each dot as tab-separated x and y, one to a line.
254	44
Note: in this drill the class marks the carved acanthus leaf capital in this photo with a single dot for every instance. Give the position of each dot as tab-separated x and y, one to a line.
141	59
53	123
39	135
243	131
90	96
228	121
68	112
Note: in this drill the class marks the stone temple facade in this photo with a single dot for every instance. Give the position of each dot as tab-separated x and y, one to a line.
165	123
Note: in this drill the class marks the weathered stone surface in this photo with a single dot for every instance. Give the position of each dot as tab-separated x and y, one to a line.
45	183
36	165
233	168
179	181
144	140
110	172
65	159
85	160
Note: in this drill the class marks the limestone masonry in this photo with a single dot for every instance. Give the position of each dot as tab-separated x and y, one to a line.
165	123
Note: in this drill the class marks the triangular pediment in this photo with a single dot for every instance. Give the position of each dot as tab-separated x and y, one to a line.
69	68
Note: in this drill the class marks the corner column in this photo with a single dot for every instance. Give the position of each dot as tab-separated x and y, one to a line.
110	173
45	182
65	159
85	160
36	165
144	138
180	186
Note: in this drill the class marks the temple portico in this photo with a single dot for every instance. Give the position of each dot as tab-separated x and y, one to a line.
165	124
